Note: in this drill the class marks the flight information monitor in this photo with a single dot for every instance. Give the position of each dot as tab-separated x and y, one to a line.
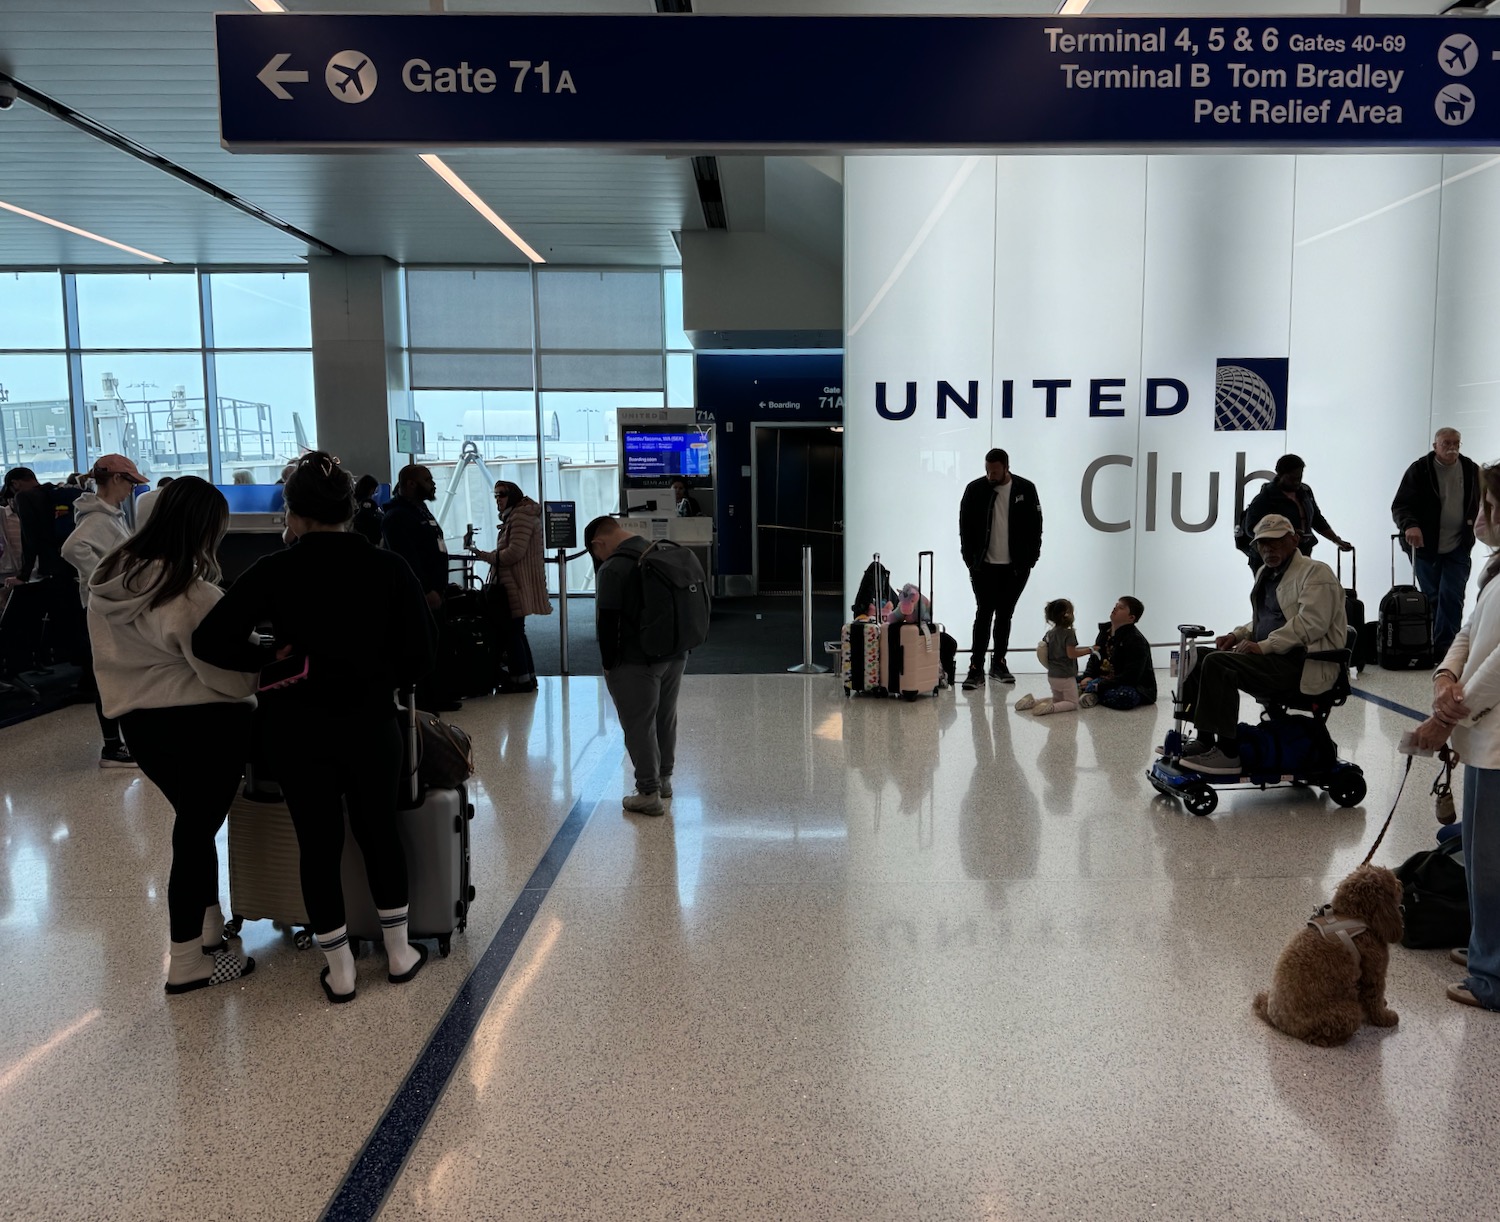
661	456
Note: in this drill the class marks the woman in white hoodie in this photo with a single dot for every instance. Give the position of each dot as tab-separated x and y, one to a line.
1466	693
188	722
100	527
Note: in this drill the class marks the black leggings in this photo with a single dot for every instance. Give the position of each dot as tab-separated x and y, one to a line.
325	763
109	727
195	754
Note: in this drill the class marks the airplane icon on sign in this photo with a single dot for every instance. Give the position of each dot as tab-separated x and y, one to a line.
351	68
351	77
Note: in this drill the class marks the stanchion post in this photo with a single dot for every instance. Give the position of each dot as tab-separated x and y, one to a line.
808	666
562	603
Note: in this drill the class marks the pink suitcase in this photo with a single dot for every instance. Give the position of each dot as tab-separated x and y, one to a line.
911	654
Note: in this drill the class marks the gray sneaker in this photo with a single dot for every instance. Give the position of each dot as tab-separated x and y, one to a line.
643	804
1088	700
1215	763
666	787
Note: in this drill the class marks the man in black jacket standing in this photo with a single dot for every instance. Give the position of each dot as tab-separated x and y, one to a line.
1434	510
1000	536
415	535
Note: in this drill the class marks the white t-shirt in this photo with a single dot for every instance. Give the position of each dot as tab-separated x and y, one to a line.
998	551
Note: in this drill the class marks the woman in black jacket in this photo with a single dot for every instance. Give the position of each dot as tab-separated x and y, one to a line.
351	626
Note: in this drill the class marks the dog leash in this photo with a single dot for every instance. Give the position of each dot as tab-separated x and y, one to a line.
1384	826
1449	758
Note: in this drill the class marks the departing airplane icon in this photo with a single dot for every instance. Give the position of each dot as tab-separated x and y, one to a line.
350	68
351	76
1454	54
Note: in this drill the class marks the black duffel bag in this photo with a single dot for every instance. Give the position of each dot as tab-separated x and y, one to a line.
1435	897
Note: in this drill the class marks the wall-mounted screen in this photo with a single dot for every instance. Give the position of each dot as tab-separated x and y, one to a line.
659	455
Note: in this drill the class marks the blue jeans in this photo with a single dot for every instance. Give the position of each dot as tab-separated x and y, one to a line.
1443	579
1481	815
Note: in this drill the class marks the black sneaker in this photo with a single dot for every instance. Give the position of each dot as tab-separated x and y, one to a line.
1000	673
975	678
117	756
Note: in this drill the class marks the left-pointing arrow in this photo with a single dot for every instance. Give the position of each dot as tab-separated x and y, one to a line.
272	77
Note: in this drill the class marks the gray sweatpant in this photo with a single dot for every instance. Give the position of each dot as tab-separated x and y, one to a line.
645	696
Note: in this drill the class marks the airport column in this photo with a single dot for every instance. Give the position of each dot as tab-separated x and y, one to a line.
359	371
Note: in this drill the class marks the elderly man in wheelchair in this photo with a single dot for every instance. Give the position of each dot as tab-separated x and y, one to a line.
1290	655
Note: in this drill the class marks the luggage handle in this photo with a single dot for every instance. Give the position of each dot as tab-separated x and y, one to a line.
1338	559
1393	561
413	746
931	581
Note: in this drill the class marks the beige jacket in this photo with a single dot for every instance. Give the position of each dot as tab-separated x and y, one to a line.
520	565
1475	658
1312	599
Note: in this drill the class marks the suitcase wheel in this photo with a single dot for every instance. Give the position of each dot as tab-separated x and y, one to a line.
233	926
468	810
471	894
444	946
302	939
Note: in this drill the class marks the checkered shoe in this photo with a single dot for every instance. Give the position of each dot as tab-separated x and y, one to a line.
227	966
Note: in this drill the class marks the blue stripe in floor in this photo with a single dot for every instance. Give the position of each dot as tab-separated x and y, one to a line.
373	1173
1388	704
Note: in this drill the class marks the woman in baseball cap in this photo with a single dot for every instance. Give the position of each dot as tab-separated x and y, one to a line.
99	528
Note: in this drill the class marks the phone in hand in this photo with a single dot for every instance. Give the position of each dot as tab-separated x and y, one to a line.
283	672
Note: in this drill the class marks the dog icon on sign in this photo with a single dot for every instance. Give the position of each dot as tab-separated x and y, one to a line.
1454	105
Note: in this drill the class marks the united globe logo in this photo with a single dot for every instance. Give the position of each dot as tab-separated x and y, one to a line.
1250	395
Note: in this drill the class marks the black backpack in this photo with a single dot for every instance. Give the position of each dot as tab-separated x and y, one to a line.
675	601
1435	897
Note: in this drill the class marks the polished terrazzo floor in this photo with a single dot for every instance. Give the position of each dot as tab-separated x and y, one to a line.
941	960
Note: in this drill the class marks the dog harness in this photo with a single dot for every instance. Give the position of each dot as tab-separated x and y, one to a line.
1338	929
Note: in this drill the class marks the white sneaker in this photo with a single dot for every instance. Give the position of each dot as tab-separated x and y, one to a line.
643	804
1025	702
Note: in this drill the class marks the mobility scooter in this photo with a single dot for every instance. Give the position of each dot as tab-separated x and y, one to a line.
1271	759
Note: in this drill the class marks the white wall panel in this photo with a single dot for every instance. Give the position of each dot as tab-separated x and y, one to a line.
1068	272
920	275
1218	261
1364	287
1466	362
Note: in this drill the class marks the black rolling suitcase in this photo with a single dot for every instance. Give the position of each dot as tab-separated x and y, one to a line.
1404	635
1361	633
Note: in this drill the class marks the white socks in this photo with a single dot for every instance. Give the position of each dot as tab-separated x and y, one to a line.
213	927
335	945
400	953
189	968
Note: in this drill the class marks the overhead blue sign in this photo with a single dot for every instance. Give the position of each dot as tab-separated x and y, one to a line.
850	83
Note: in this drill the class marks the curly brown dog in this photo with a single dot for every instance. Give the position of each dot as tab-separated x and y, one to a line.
1331	976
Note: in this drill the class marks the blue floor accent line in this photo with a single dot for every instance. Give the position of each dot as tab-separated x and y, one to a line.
374	1171
1388	704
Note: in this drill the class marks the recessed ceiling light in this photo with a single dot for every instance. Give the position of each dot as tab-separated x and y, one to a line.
1068	8
82	233
439	167
268	6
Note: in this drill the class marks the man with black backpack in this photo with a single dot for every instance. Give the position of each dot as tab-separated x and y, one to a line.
652	607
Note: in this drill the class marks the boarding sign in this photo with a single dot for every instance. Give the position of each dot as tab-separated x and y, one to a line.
645	81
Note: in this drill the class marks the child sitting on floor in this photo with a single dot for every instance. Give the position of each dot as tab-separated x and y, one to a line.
1059	650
